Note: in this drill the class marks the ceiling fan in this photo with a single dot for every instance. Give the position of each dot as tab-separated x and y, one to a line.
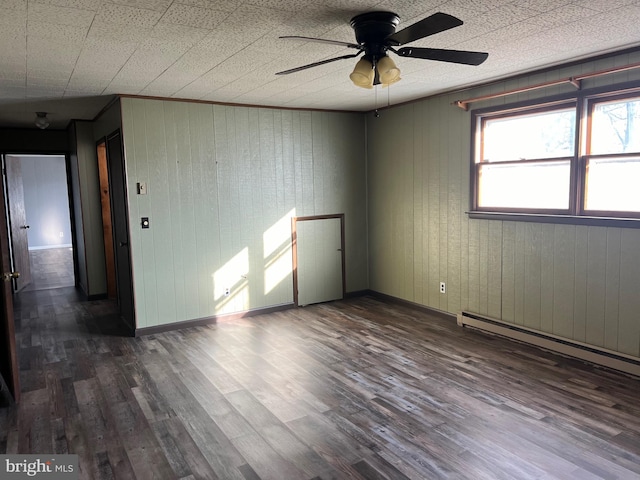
376	35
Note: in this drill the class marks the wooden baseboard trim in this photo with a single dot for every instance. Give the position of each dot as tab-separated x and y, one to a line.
359	293
416	306
583	351
210	320
100	296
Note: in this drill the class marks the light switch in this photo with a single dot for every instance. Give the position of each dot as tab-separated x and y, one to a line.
142	188
144	222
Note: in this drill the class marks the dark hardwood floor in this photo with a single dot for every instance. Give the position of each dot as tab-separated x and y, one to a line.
357	389
51	268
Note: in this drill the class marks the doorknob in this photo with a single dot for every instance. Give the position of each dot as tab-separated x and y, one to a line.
9	275
25	226
123	244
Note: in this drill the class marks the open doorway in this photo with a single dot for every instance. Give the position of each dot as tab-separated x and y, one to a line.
38	198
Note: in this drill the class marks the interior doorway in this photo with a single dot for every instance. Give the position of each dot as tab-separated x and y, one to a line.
39	219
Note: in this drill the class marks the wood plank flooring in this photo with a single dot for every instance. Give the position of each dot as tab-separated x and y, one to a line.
357	389
51	268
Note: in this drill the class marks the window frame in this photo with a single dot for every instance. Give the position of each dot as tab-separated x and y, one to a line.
584	101
590	104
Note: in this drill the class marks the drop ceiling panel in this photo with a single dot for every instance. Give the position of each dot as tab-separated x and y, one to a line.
92	5
221	5
110	14
230	50
56	15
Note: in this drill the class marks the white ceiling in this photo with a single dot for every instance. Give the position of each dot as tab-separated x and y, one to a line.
67	57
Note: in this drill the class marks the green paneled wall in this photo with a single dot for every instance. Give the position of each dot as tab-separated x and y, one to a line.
223	183
578	282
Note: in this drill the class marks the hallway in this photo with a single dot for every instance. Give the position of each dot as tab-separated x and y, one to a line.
51	268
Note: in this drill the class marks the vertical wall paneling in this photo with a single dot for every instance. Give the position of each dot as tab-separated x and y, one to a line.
483	267
419	133
436	133
596	284
494	269
612	288
533	275
508	272
576	282
455	187
629	300
473	242
547	290
223	183
519	274
563	282
579	296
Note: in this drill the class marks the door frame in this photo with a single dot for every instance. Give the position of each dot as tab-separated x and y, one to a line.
294	250
128	311
72	217
107	219
10	365
9	361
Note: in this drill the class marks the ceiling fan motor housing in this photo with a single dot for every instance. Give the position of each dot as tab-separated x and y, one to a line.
372	29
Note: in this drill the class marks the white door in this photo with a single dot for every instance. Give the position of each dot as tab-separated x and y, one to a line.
319	260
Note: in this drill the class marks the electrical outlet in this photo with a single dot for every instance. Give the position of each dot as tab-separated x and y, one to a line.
443	287
227	292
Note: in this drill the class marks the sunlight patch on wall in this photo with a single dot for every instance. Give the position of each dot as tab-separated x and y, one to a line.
230	285
277	252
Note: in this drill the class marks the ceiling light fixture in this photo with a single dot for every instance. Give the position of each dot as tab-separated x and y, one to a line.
42	121
363	74
387	71
366	72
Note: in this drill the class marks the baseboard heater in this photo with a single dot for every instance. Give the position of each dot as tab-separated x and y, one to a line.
590	353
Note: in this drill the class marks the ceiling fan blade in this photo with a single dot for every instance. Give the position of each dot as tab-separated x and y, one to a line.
322	40
452	56
436	23
311	65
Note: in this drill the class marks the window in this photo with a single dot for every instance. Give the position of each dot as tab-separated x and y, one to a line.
574	157
612	157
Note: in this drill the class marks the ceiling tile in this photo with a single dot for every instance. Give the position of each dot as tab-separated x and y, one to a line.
220	5
40	33
110	14
231	50
191	16
157	5
13	17
92	5
55	15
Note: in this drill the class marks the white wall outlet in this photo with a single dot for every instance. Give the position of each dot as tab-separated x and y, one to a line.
61	234
227	291
443	287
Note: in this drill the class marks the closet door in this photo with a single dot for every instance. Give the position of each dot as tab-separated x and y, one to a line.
320	259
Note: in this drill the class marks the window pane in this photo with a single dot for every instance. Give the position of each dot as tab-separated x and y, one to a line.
542	185
612	185
614	127
549	134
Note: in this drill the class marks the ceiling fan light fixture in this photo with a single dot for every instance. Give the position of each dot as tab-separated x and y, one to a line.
363	74
387	71
41	121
